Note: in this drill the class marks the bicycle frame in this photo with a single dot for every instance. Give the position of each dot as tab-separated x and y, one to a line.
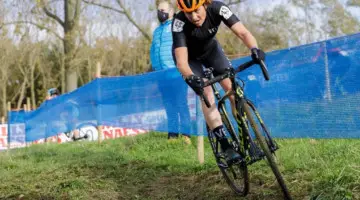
244	138
248	120
240	138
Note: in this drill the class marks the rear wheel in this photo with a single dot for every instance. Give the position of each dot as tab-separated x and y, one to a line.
250	114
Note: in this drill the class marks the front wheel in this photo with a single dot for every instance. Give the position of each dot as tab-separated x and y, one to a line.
265	147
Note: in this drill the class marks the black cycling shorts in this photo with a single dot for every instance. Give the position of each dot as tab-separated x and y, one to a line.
214	58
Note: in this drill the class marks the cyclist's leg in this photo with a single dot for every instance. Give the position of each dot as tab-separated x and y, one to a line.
227	86
211	115
214	121
219	62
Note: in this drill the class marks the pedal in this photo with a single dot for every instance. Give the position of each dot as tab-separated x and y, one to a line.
255	151
223	165
220	156
238	162
227	165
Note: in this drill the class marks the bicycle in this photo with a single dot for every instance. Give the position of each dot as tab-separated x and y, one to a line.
248	121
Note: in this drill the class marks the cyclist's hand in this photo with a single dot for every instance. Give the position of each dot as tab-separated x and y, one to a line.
257	55
196	83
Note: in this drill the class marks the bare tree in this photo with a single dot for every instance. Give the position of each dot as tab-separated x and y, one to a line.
121	9
335	18
5	53
355	3
69	23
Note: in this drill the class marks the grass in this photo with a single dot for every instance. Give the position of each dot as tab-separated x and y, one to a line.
149	167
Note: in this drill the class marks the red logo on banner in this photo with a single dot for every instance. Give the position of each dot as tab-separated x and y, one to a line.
3	131
3	142
3	136
116	132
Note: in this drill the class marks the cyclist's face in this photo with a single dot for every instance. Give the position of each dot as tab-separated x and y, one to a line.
197	17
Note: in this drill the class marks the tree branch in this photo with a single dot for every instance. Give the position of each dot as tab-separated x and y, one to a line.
233	2
35	24
123	11
51	15
77	10
127	14
353	3
22	93
104	6
17	93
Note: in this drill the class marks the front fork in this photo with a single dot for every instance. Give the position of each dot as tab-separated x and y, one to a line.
273	146
254	153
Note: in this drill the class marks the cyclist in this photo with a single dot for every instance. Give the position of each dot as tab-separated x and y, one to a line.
195	46
52	93
70	114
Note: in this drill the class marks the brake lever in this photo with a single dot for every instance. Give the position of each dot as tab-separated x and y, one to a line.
264	70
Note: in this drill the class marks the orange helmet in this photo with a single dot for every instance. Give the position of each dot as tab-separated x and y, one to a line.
189	5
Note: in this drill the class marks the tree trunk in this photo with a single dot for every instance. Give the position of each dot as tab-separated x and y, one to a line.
63	75
70	70
22	94
72	16
70	24
4	98
69	49
71	81
90	72
32	85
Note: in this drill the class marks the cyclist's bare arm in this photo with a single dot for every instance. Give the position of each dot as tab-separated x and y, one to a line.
181	55
244	34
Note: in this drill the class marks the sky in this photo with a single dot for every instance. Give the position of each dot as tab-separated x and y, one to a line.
255	6
118	26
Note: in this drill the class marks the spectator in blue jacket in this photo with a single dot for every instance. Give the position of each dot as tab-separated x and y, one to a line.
161	47
161	58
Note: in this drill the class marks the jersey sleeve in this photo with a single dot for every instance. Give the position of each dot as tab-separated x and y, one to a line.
227	16
177	29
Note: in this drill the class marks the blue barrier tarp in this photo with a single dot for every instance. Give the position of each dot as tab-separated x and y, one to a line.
313	92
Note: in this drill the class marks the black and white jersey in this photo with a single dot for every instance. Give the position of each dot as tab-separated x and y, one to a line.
199	39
